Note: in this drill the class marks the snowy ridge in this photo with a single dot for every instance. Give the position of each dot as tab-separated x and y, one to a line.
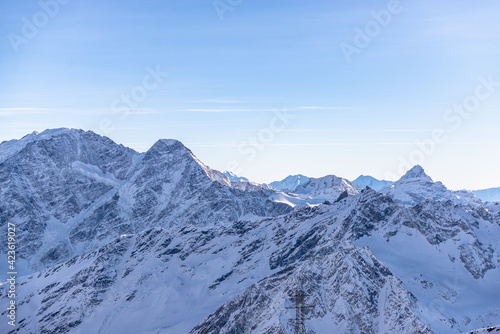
290	183
364	181
11	147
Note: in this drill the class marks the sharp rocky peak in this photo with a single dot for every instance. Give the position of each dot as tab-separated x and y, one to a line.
169	145
172	151
417	172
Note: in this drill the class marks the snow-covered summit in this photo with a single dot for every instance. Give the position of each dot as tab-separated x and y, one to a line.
171	154
326	188
11	147
416	186
417	172
14	146
365	180
290	183
171	142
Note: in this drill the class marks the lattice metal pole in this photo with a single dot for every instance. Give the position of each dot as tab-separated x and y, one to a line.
300	309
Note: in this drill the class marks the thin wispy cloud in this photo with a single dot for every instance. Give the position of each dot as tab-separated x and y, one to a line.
321	108
98	111
22	111
361	130
331	144
218	110
218	101
129	112
110	111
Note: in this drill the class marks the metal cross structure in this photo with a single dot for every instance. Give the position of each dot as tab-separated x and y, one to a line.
300	308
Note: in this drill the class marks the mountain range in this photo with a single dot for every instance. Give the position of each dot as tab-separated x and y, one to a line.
366	180
291	182
110	240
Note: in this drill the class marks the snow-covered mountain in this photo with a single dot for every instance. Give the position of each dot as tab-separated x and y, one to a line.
234	177
364	181
290	183
488	195
416	186
70	191
328	188
115	241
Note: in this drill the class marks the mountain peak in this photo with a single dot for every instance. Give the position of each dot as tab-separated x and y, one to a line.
35	135
417	172
168	146
171	142
11	147
172	154
51	132
416	186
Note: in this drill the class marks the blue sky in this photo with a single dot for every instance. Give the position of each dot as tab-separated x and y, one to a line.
228	79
